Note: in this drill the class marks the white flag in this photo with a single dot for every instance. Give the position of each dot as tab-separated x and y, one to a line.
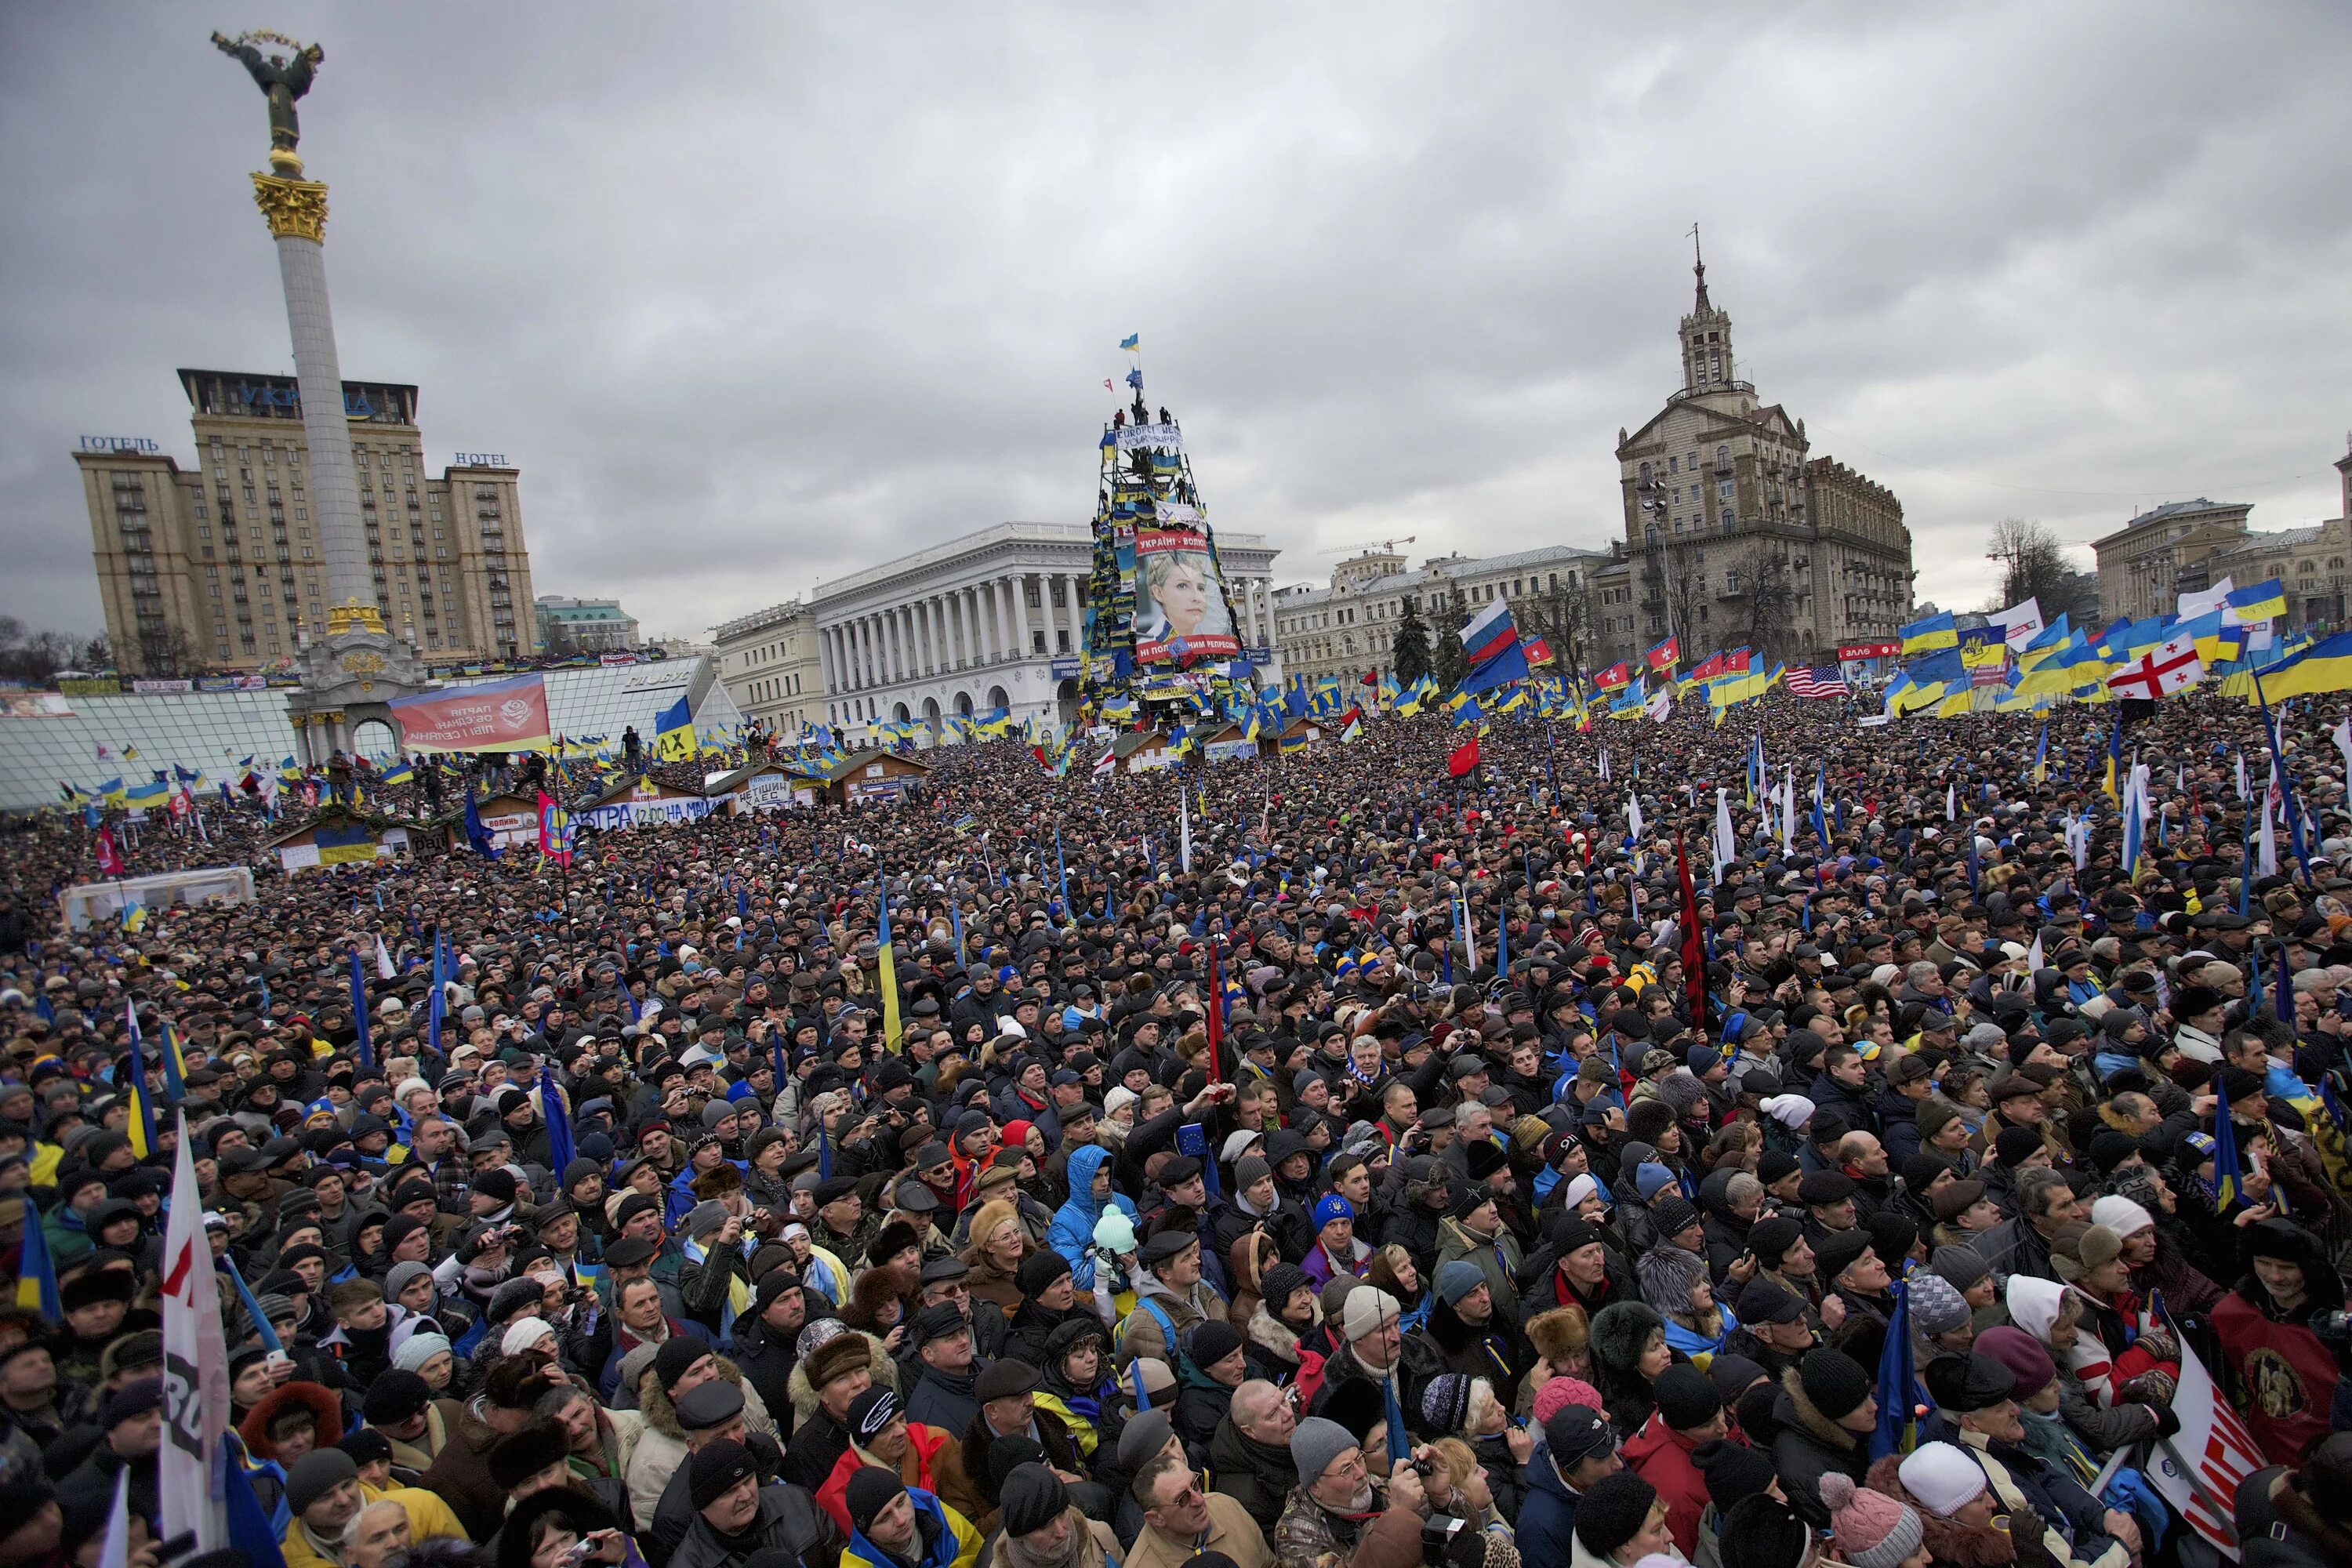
2195	604
1952	801
195	1365
2342	736
2021	624
1727	842
1632	813
2200	1468
2243	792
2266	842
1183	830
1605	761
1789	809
2033	964
383	969
116	1553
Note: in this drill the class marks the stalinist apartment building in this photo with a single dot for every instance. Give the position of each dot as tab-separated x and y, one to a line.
218	567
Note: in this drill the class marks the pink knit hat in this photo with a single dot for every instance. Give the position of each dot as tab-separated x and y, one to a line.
1873	1530
1562	1391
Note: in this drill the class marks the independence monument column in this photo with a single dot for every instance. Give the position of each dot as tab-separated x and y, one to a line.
356	663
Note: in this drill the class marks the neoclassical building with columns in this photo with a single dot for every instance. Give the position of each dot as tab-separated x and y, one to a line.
994	619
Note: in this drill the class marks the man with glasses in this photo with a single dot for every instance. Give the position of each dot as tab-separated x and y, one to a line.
1337	1510
1181	1519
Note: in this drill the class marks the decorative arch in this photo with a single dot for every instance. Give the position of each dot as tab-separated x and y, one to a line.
963	703
997	697
374	738
900	713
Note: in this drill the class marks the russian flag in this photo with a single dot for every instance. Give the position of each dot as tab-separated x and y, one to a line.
1490	645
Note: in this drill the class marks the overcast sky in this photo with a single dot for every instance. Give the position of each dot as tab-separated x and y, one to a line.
758	295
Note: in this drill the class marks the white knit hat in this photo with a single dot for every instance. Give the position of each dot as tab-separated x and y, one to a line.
1791	1110
2121	1216
1941	1477
523	1333
1368	1306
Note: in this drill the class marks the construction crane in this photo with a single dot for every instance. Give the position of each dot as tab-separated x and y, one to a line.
1387	547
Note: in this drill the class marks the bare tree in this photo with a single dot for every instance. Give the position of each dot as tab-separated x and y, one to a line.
166	652
1764	601
34	658
2034	566
1674	600
1448	613
1562	615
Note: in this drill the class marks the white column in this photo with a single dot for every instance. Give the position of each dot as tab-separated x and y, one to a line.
922	610
1074	592
825	662
997	619
1016	589
334	482
897	633
868	666
975	626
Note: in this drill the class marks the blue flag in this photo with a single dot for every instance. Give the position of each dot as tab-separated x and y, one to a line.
558	1122
1897	1430
2225	1151
359	1016
36	1273
249	1529
261	1324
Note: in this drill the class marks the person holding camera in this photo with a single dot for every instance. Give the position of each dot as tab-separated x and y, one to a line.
1340	1516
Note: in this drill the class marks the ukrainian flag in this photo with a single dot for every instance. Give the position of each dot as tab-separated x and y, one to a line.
1933	632
1518	701
674	732
1464	710
111	792
151	794
400	773
1132	340
2260	602
36	1272
886	966
2325	666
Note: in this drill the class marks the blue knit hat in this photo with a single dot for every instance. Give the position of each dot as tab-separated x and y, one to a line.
1331	1206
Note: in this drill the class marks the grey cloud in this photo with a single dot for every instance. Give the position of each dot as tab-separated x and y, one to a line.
759	296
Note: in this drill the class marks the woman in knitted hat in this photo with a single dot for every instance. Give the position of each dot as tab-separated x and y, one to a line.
2049	1317
1674	1282
1629	1351
1870	1528
1947	1491
1286	1313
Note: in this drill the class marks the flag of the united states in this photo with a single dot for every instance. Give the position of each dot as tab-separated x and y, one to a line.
1810	681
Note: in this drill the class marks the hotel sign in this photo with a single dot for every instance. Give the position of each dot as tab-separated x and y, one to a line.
118	444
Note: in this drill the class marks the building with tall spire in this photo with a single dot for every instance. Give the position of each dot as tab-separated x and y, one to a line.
1737	534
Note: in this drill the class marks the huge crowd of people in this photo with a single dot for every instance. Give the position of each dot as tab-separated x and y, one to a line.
1417	1175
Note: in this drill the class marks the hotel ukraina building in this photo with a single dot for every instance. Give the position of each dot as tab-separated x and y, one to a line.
994	619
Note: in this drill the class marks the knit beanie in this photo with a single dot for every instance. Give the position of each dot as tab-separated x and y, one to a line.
1686	1399
1873	1530
1457	1277
871	1491
1673	1216
1961	1267
2121	1216
1834	1380
1935	1306
1770	1239
1943	1478
1315	1443
1733	1471
2014	1144
1762	1532
719	1465
1368	1307
1033	1498
2028	1359
1565	1390
419	1347
1207	1343
1039	1270
1280	1283
1613	1512
1651	1179
317	1473
676	1355
1446	1404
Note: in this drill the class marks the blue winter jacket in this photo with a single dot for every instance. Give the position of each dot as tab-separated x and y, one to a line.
1546	1522
1072	1234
